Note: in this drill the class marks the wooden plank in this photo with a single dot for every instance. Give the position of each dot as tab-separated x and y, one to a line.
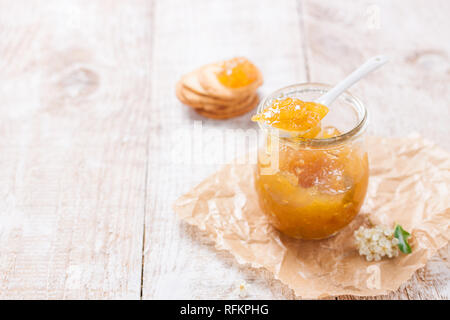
179	262
410	94
74	100
77	111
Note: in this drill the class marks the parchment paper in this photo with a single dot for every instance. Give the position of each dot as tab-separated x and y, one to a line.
409	185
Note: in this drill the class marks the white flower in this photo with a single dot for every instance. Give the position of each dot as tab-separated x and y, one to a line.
242	289
376	243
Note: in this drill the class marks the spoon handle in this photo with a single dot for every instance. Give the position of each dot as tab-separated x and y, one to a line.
369	66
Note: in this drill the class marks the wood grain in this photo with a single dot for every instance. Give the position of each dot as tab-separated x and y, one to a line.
188	266
409	94
96	147
74	96
180	262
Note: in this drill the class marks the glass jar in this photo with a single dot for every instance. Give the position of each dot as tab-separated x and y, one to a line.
312	188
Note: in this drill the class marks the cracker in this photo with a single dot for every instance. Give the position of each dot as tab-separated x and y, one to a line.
202	91
180	95
229	108
197	100
190	81
231	114
207	79
185	96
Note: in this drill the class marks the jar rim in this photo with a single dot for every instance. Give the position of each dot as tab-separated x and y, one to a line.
348	135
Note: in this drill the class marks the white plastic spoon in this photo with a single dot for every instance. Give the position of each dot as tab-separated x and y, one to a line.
369	66
328	98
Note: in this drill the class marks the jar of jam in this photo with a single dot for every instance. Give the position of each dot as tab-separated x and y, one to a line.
313	186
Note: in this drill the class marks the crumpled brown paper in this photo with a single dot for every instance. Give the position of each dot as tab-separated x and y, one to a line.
409	185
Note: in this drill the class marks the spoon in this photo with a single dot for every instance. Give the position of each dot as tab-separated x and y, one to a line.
331	95
369	66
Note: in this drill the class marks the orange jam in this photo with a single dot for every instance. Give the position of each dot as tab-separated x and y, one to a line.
293	115
237	73
308	192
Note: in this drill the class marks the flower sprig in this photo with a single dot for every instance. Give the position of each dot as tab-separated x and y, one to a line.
380	241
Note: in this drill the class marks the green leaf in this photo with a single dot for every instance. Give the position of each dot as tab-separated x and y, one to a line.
402	237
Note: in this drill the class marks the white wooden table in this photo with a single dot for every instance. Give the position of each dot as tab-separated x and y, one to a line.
88	110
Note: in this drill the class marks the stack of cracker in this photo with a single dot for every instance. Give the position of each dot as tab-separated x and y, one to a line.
221	90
